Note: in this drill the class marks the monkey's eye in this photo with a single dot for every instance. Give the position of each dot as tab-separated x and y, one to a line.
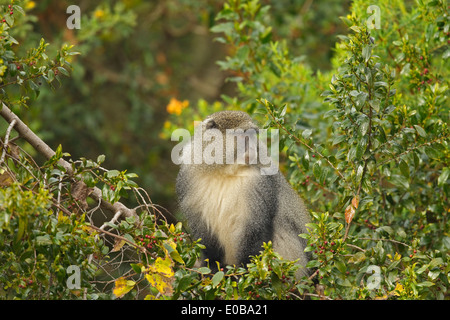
211	124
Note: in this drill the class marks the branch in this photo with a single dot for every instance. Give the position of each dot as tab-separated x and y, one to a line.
5	144
41	147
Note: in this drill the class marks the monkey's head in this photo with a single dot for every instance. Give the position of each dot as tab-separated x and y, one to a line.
224	120
225	141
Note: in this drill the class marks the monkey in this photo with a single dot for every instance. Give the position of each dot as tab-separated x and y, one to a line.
233	207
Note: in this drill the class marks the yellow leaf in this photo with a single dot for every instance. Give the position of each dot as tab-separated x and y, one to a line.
164	267
398	290
172	244
62	218
118	244
162	284
173	251
122	287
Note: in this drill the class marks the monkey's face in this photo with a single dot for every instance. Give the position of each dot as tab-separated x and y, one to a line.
229	138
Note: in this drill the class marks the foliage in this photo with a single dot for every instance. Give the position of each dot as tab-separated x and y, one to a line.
37	245
365	142
372	157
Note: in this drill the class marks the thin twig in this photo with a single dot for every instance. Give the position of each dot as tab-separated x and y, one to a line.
5	144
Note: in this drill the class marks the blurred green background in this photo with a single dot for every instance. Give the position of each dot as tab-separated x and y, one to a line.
135	56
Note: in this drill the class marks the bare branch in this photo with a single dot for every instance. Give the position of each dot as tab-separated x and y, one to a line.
5	144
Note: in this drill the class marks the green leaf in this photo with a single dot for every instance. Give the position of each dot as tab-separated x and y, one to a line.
137	267
305	161
317	169
226	28
43	240
425	284
364	126
112	173
204	270
277	284
63	71
361	147
242	53
420	131
340	266
400	181
217	278
375	104
404	168
128	237
313	264
359	173
50	76
444	176
433	152
366	53
339	139
184	283
306	133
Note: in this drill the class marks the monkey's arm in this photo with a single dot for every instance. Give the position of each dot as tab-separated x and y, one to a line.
263	207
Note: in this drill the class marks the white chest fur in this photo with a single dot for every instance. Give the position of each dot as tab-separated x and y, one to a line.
221	201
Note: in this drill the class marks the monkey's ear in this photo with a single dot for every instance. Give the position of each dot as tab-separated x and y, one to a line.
211	124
